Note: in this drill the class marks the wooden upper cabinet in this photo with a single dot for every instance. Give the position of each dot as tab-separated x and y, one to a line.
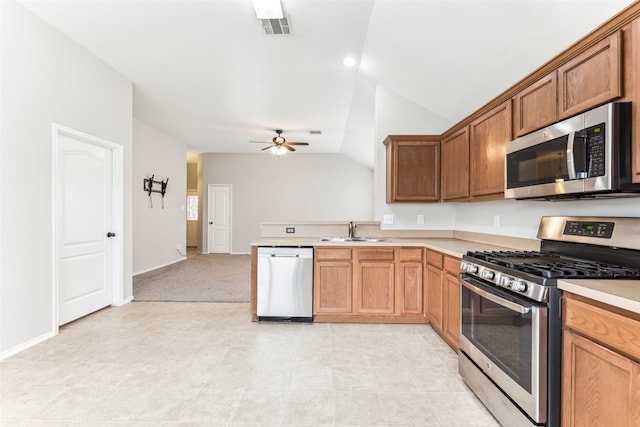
455	165
489	134
413	168
591	78
631	55
536	106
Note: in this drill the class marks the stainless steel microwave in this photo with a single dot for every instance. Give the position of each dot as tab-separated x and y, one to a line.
585	156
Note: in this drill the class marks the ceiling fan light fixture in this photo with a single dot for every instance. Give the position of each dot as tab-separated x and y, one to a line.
268	9
278	151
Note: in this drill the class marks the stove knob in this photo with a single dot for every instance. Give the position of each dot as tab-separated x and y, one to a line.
463	266
489	275
505	282
472	269
518	286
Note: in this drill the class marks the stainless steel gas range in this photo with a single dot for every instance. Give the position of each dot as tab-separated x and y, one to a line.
511	315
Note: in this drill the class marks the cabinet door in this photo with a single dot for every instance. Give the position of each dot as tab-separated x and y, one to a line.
376	287
631	74
333	287
410	287
591	78
455	165
536	106
600	388
413	168
489	134
434	296
333	280
451	326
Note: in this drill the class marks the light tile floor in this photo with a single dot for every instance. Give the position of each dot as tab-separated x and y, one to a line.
207	364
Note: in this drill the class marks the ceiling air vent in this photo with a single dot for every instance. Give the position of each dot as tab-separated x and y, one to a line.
276	27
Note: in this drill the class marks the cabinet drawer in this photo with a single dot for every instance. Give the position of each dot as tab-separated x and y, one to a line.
609	327
332	254
376	254
411	254
434	259
452	265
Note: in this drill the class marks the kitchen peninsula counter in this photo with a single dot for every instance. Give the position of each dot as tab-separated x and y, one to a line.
449	246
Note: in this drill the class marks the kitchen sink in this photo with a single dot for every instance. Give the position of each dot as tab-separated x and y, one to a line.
352	239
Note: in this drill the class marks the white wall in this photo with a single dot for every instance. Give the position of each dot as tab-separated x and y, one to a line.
158	232
520	218
395	115
294	187
46	78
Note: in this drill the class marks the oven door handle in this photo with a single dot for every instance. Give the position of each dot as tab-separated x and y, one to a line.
500	301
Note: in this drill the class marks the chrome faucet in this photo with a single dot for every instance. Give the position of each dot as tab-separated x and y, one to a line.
352	230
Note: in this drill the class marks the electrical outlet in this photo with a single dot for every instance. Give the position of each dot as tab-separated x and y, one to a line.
420	219
387	219
290	230
496	220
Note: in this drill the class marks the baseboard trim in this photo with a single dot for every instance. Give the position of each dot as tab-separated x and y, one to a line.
159	266
24	346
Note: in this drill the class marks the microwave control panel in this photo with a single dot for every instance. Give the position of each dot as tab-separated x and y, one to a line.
595	150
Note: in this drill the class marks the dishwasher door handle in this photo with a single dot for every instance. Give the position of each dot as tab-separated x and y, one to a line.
285	256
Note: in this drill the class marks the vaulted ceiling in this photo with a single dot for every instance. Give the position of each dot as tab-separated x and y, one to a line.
206	73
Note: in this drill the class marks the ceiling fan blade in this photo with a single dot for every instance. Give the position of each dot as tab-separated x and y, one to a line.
261	142
297	143
289	148
266	148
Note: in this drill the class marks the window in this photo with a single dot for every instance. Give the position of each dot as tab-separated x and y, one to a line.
192	208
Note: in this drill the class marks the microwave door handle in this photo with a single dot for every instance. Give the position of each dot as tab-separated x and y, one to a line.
500	301
571	167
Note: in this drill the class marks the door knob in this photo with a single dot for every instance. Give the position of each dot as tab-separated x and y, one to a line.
211	222
110	234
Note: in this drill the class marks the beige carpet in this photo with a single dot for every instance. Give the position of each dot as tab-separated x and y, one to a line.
202	277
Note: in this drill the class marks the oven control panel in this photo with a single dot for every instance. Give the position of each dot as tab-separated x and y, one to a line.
518	285
603	230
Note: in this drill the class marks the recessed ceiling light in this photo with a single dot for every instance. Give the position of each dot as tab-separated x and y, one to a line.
268	9
349	61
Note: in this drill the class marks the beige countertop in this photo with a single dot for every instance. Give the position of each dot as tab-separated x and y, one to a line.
449	246
623	294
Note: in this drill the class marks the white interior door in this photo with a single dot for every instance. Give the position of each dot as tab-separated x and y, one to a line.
219	221
85	226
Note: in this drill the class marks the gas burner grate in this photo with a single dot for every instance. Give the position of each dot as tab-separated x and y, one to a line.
552	266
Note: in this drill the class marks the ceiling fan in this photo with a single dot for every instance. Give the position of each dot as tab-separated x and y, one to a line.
279	144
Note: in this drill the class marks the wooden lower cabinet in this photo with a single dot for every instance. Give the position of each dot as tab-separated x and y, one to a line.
451	324
600	372
442	293
333	280
368	284
375	281
409	281
434	294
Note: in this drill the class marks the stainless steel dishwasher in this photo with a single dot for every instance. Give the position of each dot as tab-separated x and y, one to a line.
285	283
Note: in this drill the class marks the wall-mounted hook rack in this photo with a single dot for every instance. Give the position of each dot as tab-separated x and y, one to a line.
147	185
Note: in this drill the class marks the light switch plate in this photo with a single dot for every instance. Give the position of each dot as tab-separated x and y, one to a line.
420	219
387	219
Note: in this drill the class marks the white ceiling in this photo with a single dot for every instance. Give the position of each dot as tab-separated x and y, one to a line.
205	73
